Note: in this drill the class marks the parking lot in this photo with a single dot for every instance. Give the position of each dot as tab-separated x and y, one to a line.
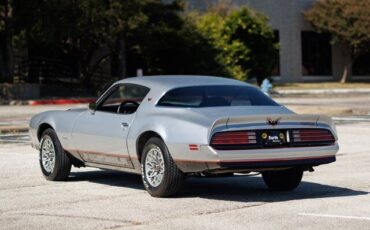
334	196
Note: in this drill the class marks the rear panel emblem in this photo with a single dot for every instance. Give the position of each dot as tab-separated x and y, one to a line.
273	122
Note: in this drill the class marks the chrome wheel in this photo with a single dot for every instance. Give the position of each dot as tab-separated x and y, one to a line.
47	154
154	166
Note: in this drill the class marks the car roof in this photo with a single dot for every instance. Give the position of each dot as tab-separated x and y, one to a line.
167	82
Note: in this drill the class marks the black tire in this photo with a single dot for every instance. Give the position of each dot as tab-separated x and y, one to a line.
62	165
283	180
172	179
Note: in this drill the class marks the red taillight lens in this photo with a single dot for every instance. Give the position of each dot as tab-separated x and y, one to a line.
234	138
312	135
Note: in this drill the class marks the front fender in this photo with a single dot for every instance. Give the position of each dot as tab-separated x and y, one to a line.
61	121
35	123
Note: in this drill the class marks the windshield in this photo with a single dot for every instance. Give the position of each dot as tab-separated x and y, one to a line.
218	95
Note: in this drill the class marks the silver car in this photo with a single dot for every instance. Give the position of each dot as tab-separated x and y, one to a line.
169	127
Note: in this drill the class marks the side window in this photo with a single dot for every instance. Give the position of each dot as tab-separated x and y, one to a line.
183	97
124	99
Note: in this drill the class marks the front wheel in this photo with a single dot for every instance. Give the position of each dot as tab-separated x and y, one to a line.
54	162
160	175
283	180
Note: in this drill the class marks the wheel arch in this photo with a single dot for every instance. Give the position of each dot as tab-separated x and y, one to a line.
42	127
142	139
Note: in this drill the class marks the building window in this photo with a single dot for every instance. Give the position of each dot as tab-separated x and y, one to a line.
361	66
316	54
276	69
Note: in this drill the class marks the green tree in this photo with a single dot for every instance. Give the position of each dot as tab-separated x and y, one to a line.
80	29
348	22
146	34
92	32
169	43
245	41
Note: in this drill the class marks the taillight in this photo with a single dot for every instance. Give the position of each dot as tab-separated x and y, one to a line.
312	135
233	138
253	139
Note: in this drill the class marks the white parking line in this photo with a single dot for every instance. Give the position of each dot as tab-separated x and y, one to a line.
336	216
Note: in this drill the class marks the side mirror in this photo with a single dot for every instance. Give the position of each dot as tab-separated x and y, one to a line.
93	106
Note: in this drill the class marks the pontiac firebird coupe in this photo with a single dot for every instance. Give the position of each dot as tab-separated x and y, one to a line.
169	127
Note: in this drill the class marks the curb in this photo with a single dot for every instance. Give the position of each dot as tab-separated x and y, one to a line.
322	91
13	129
353	118
61	101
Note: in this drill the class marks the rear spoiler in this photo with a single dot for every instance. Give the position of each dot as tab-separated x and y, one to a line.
274	121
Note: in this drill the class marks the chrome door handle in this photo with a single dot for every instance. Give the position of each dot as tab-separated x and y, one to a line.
124	125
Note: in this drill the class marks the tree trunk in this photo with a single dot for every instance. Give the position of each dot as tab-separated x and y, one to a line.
2	64
8	58
86	78
346	72
6	49
118	60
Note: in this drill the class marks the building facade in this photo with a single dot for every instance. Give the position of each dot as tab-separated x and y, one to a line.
304	55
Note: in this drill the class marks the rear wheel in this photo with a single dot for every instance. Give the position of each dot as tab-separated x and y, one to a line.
160	175
284	180
54	162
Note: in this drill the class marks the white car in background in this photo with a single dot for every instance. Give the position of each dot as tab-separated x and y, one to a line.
168	127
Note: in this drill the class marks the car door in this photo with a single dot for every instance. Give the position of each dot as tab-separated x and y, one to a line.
99	135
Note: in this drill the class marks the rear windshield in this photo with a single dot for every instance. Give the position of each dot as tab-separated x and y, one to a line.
212	96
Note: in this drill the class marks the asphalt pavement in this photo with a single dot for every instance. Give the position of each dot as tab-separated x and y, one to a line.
334	196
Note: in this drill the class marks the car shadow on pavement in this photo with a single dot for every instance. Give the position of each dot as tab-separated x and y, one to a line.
248	189
236	188
109	177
